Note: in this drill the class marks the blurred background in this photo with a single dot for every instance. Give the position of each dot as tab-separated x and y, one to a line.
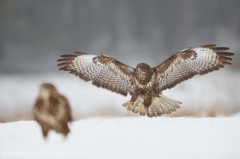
34	33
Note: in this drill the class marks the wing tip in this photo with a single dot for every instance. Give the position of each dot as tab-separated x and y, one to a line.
225	57
65	68
220	48
214	47
80	53
65	61
208	46
221	52
68	55
64	64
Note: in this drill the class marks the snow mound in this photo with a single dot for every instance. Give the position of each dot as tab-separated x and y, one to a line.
126	137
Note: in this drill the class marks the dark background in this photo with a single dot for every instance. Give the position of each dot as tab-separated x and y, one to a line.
33	33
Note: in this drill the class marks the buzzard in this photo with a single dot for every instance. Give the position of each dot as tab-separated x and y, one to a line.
52	110
144	83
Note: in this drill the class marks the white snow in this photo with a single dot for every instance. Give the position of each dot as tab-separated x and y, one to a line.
126	137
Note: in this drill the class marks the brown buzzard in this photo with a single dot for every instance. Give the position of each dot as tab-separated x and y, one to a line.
52	110
143	83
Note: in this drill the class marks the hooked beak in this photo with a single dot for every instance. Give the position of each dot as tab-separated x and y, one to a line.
139	69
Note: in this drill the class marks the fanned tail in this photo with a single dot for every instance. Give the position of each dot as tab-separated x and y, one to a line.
160	105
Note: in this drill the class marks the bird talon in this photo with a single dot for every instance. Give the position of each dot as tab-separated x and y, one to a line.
130	104
141	107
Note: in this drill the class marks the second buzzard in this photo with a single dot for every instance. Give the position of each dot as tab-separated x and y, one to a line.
52	110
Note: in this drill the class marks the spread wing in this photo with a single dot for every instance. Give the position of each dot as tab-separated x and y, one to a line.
104	71
190	62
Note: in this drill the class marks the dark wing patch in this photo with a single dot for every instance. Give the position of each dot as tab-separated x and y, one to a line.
190	62
104	71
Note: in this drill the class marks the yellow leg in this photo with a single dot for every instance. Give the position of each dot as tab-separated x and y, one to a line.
130	104
141	107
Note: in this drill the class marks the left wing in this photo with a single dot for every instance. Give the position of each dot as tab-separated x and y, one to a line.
190	62
104	71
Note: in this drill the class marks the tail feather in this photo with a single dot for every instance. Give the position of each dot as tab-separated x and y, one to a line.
170	100
159	106
158	111
169	107
143	111
150	112
154	111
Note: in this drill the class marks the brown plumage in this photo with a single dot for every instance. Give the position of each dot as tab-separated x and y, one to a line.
52	110
143	83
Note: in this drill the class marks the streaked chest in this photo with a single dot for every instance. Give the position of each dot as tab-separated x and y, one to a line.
145	85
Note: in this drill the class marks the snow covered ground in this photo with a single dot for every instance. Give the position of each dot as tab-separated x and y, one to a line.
126	137
213	94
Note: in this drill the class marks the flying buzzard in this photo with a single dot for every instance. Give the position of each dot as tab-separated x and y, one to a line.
52	110
143	83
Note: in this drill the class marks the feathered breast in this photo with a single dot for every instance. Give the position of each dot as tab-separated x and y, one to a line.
148	85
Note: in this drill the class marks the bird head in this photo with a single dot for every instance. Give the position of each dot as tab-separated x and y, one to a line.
142	67
46	89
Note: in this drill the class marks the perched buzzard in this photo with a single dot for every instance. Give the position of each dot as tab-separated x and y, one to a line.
143	83
52	110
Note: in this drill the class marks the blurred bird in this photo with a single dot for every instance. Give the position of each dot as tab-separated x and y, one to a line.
52	110
144	83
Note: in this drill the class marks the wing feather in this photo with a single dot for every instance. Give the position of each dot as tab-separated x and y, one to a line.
189	62
104	71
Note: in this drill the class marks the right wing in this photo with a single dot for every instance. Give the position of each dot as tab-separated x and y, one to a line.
189	62
104	71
